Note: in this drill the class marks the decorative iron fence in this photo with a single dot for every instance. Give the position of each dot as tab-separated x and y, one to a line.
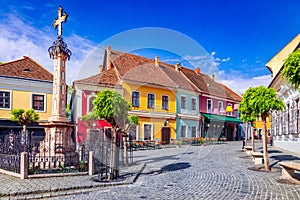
10	162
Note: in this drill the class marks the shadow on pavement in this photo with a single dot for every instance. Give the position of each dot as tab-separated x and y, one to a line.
280	158
176	166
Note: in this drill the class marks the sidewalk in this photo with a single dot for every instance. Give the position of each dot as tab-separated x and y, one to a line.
15	188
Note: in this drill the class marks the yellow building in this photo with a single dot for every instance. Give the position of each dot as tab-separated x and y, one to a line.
156	115
24	84
258	126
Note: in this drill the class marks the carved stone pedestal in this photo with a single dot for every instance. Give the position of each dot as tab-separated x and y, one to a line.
58	148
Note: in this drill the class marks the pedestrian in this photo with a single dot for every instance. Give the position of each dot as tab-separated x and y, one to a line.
243	139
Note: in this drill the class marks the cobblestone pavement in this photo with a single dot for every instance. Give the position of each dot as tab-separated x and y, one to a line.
190	172
209	172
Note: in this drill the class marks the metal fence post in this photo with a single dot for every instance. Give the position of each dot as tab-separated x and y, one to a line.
24	165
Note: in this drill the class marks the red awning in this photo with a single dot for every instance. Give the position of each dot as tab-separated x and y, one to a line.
103	123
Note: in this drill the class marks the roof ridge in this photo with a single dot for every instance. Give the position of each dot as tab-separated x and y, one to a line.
12	61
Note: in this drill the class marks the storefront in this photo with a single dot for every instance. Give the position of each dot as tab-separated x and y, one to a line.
220	126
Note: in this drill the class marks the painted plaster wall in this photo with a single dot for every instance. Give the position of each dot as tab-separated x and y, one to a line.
23	99
187	122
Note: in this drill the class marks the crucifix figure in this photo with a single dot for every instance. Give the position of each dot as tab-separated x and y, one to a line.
58	22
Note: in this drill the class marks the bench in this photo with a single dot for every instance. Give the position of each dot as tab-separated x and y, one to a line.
257	157
288	170
248	149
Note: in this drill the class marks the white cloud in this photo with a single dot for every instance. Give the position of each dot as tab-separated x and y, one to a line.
225	59
18	39
239	83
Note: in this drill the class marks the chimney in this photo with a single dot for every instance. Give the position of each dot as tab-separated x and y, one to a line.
198	71
100	68
108	61
213	77
178	67
156	61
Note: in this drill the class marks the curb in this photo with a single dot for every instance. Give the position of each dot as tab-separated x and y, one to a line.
72	190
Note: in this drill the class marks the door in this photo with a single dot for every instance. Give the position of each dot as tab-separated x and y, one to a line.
165	135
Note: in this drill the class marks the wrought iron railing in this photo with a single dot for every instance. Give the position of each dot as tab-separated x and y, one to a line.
10	162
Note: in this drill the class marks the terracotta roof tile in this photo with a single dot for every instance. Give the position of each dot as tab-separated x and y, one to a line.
107	77
16	69
209	86
136	68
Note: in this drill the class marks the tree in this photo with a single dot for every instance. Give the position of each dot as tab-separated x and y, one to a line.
258	102
291	69
247	113
111	106
24	118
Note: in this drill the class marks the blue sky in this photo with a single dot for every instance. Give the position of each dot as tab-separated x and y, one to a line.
237	37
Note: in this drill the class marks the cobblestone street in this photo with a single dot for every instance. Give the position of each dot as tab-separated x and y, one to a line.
194	172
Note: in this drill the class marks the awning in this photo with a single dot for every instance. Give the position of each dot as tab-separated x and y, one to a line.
222	118
103	123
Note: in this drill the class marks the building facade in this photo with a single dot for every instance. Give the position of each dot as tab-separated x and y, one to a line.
285	125
24	84
168	99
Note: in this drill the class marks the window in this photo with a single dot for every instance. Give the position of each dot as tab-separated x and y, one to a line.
229	113
183	131
209	106
183	102
220	106
151	99
91	105
133	132
194	106
147	131
5	99
135	99
38	102
194	131
165	102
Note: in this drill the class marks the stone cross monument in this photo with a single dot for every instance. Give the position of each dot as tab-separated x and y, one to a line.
58	144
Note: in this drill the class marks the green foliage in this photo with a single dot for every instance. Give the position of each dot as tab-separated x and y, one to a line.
291	70
245	109
89	118
133	120
68	109
111	106
257	102
24	117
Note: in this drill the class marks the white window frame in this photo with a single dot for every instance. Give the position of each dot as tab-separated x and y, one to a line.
45	101
183	110
185	134
211	103
162	102
154	100
10	99
196	135
143	130
137	128
194	111
220	106
139	99
88	103
230	113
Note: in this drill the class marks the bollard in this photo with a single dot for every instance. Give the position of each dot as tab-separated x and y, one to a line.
91	163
